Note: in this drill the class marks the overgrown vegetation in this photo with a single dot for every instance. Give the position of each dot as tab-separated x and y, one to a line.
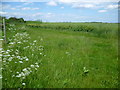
60	55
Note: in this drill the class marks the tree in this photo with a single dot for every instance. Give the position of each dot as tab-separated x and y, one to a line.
14	19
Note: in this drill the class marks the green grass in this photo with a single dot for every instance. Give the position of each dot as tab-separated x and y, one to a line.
66	53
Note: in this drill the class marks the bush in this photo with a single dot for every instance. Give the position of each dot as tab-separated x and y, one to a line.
84	28
15	20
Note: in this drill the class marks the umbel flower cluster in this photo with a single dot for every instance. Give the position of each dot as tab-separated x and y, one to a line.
21	58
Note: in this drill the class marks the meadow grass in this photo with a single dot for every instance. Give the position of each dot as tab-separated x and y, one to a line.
69	59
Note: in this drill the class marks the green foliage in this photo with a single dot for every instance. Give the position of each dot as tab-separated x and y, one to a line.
84	28
105	30
15	20
70	59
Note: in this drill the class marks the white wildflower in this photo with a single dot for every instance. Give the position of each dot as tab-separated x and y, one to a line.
24	69
18	75
32	66
40	53
17	72
20	62
0	76
1	39
0	55
26	59
19	42
11	43
35	41
37	65
23	84
10	58
22	74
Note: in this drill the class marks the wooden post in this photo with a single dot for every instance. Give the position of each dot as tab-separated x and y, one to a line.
4	29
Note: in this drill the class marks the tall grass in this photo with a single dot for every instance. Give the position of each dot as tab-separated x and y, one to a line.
65	57
106	30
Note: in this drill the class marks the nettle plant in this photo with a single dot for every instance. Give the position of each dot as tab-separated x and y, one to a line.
21	59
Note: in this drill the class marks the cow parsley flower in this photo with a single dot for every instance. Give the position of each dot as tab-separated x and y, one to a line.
20	62
32	66
23	84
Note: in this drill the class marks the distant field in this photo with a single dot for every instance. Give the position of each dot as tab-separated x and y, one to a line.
61	55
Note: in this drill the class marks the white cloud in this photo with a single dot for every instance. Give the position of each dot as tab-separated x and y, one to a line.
83	3
37	14
87	1
22	0
3	13
62	7
13	8
49	13
112	6
35	8
94	4
27	3
26	0
101	11
5	6
63	1
83	6
18	6
28	8
52	3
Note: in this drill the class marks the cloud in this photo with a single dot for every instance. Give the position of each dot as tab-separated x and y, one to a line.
13	8
18	6
49	13
35	8
62	7
5	6
27	3
83	6
22	0
112	6
28	8
85	1
37	14
3	13
63	1
101	11
52	3
26	0
94	4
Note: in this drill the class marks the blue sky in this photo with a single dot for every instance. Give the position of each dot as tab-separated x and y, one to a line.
62	10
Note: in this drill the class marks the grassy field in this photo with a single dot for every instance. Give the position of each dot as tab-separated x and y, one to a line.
61	55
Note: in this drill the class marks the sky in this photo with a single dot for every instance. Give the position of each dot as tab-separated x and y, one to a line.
62	10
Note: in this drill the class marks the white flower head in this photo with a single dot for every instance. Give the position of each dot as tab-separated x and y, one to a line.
24	69
35	41
32	66
26	59
37	65
40	53
23	84
20	61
